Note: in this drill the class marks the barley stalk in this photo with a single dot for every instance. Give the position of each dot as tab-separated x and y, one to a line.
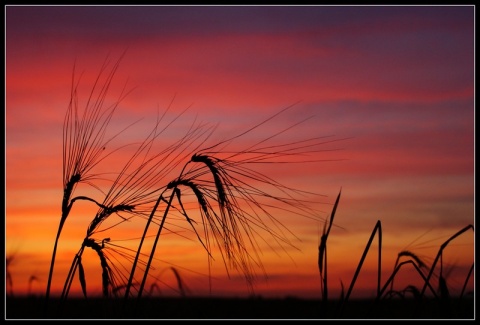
83	145
439	254
411	255
394	273
227	191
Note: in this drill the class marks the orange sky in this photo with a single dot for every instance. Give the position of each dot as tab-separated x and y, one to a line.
396	83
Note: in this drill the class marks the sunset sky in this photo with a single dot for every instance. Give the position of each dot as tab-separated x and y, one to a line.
390	88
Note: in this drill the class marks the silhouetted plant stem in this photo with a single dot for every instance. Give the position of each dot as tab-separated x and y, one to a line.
135	261
322	254
413	257
440	253
66	207
8	276
83	145
71	273
147	268
52	263
392	276
466	280
378	227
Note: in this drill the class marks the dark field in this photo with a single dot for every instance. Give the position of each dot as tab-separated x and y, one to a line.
237	308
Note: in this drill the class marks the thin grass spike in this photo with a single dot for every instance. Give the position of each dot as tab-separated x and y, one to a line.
322	250
81	275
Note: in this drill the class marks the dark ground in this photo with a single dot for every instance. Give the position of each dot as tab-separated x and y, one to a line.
236	308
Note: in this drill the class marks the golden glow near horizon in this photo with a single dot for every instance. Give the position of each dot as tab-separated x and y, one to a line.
387	91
